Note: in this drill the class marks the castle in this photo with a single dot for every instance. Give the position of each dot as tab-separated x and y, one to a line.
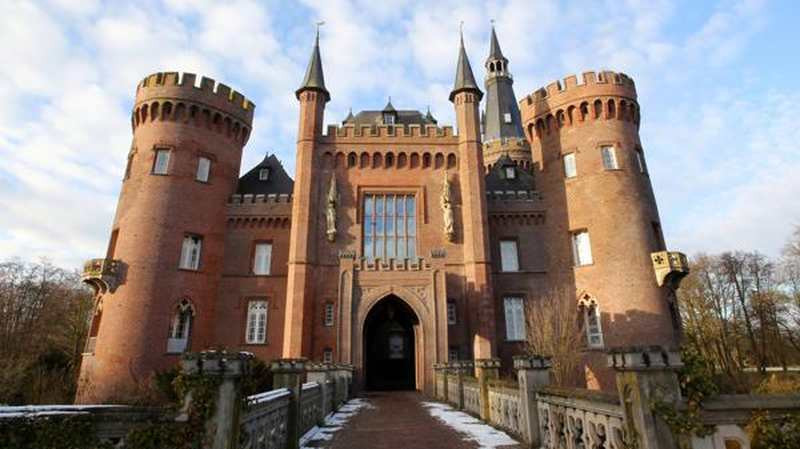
398	244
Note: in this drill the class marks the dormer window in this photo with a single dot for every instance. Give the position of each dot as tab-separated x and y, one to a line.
510	173
388	119
263	174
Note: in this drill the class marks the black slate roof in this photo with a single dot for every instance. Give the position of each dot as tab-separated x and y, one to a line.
403	117
496	178
278	182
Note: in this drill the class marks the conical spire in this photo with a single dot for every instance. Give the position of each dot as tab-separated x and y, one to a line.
349	116
389	107
314	79
465	80
494	47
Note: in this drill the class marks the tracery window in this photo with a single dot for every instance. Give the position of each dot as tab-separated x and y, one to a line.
256	332
390	226
180	328
515	318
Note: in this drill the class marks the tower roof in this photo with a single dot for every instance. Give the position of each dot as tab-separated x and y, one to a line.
494	47
465	80
278	181
314	79
389	107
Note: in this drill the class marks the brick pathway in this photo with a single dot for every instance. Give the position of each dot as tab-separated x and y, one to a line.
397	420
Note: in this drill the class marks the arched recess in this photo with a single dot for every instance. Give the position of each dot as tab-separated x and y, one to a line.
424	345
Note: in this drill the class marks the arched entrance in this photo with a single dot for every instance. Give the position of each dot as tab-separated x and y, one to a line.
390	338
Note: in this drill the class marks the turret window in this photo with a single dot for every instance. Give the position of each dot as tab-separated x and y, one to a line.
161	163
507	117
180	328
190	252
581	248
203	169
609	158
256	332
570	167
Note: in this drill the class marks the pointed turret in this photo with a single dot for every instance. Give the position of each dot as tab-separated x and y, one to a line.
314	79
494	47
465	80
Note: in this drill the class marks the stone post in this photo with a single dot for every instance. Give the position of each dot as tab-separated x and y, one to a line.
486	369
646	375
439	369
222	430
463	368
533	373
322	373
291	374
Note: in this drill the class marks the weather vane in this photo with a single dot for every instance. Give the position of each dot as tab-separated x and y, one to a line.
319	24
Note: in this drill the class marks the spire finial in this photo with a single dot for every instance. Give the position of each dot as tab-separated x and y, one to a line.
319	24
461	31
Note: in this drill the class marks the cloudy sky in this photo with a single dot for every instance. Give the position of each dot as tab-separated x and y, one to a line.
717	86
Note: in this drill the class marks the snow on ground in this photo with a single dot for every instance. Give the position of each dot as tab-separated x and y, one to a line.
485	435
333	423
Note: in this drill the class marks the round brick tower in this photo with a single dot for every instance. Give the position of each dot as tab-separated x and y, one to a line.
593	178
158	283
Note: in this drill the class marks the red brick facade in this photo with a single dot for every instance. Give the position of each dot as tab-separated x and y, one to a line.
313	269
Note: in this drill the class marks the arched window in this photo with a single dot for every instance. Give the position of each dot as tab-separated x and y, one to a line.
590	312
181	328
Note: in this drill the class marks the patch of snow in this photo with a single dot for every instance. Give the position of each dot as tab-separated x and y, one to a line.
334	422
485	435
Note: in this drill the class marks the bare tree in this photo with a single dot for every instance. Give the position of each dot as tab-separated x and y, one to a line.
555	329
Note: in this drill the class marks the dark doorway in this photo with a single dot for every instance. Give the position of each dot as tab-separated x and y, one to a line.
389	350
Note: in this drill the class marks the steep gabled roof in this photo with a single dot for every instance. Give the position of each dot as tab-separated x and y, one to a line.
402	117
278	182
496	179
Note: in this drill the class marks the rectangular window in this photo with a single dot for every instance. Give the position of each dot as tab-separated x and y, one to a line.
510	173
570	169
190	252
390	226
594	333
263	174
161	163
256	332
640	161
452	353
451	313
581	248
262	258
609	158
515	318
509	259
327	356
329	314
507	117
203	168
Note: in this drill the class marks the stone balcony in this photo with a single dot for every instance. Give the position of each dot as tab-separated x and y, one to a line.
103	275
670	268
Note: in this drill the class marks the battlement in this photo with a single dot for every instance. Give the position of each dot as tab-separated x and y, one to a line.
177	86
337	133
249	198
593	84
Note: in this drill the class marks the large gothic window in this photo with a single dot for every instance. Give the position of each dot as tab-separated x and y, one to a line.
390	226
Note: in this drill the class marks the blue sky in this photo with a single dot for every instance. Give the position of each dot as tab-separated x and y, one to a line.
716	83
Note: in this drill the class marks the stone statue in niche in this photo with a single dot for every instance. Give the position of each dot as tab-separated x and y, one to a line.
447	210
330	209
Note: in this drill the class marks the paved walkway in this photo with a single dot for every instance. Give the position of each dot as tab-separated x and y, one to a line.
402	420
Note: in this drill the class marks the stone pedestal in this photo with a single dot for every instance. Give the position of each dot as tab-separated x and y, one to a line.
223	428
486	369
645	375
440	369
322	373
533	373
291	374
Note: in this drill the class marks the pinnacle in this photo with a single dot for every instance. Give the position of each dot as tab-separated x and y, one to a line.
465	80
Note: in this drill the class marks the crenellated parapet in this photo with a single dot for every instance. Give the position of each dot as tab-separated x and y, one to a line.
170	96
259	211
346	133
599	96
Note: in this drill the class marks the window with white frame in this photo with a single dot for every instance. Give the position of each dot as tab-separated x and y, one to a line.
451	313
510	173
263	174
509	258
640	161
327	355
581	248
609	158
594	331
507	117
203	169
190	252
161	163
570	168
256	332
515	318
180	328
262	259
390	226
329	316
